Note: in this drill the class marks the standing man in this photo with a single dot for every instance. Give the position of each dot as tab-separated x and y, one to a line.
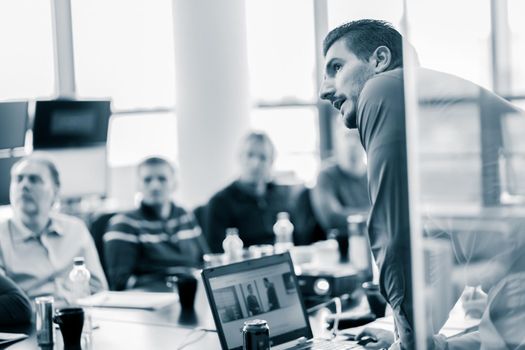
273	301
364	81
143	245
251	300
37	245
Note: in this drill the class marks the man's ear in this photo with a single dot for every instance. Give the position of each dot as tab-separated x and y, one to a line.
56	197
381	58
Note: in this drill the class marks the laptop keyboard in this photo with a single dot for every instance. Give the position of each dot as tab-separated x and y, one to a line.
327	345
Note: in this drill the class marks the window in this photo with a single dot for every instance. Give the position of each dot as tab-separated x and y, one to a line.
133	137
281	56
294	133
342	11
124	50
281	50
27	68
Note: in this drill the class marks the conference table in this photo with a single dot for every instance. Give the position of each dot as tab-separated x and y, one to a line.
166	328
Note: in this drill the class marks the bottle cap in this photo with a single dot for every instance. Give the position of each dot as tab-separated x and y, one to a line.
355	219
232	231
283	215
78	260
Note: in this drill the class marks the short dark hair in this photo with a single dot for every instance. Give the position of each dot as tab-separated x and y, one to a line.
48	163
153	161
260	137
362	37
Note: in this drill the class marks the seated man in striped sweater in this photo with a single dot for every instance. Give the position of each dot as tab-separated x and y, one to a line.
141	246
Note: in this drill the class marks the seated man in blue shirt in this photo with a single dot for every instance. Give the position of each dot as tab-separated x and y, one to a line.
37	245
251	202
143	245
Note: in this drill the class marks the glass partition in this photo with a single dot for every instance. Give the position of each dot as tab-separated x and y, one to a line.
466	171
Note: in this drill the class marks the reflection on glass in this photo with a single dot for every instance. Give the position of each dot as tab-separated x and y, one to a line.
450	37
516	9
471	163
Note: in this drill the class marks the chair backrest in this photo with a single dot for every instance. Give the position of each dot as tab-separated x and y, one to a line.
307	228
200	215
98	228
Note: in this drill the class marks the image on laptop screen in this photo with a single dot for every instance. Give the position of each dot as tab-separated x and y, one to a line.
265	289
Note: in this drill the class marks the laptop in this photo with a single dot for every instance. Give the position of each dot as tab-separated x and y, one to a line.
264	288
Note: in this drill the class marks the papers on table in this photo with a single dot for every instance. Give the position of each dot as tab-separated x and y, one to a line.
11	337
130	300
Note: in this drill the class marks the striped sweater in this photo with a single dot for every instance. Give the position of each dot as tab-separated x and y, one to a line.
140	243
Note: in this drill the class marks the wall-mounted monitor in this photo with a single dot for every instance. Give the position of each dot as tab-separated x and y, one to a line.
70	123
13	124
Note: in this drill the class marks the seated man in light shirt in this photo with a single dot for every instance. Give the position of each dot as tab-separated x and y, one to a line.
37	244
143	246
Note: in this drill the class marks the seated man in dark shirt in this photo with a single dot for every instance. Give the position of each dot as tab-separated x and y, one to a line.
342	185
251	202
15	308
145	244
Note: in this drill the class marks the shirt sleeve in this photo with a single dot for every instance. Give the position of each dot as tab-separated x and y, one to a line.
121	249
190	239
327	207
216	223
15	307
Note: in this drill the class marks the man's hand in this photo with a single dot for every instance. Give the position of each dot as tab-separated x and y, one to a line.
375	338
474	302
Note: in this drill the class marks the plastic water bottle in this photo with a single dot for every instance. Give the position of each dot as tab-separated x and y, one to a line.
79	278
232	245
360	254
283	230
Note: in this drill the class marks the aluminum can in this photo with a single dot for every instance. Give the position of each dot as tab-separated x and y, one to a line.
256	335
45	329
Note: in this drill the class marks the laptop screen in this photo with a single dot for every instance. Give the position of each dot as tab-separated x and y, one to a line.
264	288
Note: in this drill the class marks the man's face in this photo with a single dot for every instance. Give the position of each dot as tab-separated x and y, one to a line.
156	183
32	190
344	78
256	161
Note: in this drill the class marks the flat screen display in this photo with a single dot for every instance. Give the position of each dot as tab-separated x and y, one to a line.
68	123
259	289
13	124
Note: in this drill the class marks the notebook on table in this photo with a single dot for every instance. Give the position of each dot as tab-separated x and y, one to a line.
6	338
264	288
130	300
